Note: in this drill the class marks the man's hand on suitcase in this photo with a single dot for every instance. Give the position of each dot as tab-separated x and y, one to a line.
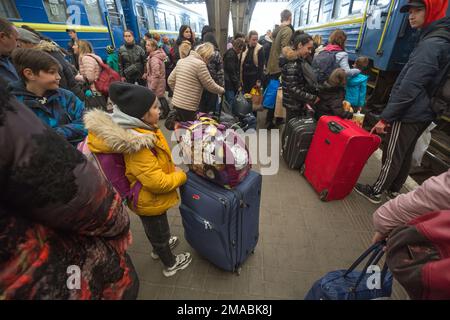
380	127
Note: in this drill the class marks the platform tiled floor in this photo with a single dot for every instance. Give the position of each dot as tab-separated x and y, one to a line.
301	238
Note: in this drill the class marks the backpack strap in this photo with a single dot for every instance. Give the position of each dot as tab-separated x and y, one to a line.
134	193
136	189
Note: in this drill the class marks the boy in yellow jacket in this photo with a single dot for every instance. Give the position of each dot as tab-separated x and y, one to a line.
132	131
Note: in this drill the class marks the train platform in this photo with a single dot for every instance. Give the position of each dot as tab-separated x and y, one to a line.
301	239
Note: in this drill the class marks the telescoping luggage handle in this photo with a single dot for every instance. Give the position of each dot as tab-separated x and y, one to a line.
377	253
335	127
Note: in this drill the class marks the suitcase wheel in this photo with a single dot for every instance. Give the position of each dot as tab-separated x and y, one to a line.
323	195
238	271
302	170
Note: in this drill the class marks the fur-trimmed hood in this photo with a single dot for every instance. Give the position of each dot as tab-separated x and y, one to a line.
47	46
105	136
288	55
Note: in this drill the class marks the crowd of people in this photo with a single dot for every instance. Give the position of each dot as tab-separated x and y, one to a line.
58	210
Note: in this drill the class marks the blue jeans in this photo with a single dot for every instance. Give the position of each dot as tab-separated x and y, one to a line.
230	96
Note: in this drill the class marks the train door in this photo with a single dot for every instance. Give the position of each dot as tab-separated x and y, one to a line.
115	21
151	18
142	21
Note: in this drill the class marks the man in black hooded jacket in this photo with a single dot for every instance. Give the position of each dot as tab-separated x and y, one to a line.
408	112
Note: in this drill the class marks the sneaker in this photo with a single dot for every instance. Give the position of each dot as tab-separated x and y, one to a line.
173	241
392	195
367	192
182	262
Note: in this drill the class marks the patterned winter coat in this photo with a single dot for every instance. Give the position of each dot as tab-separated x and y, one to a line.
60	109
57	214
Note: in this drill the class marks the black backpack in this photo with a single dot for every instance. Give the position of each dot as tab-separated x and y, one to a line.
324	64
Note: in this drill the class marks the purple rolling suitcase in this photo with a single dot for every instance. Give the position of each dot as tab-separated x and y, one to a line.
222	225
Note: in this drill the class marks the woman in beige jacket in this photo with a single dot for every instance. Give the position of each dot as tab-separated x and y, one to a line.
188	80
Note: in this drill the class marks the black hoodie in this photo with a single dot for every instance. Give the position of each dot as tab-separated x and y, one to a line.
410	98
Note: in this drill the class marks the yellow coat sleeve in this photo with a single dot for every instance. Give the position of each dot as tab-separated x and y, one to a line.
145	167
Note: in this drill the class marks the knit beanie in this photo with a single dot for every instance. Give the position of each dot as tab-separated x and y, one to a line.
133	100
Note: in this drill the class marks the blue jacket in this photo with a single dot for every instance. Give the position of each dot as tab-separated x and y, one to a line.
356	90
410	99
7	70
60	109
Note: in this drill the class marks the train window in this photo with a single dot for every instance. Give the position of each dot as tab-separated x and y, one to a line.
326	10
382	3
113	12
171	24
56	10
341	8
314	11
358	6
300	17
93	12
194	26
304	15
162	20
295	21
151	17
178	18
141	16
8	9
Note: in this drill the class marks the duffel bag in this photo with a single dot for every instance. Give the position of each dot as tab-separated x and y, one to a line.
351	284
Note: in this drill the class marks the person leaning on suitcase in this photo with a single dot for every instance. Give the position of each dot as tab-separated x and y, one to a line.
132	130
408	112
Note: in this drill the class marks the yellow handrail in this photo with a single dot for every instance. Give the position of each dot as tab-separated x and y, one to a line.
362	25
110	30
388	19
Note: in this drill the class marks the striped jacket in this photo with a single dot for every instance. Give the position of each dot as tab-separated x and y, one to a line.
187	81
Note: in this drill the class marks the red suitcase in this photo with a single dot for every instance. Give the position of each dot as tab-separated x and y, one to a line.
338	153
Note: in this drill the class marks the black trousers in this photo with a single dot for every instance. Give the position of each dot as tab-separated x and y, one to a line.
397	155
185	115
158	233
208	103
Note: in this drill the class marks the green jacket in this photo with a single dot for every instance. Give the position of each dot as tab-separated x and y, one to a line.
113	61
282	38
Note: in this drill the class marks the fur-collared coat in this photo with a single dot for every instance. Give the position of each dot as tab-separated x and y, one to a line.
147	158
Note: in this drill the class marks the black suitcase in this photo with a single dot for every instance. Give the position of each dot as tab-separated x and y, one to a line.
296	140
